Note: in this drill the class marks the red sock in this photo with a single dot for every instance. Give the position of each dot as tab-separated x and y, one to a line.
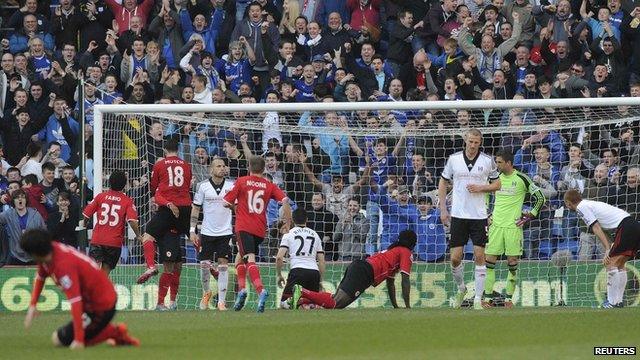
163	287
109	332
241	274
175	285
254	275
323	299
149	253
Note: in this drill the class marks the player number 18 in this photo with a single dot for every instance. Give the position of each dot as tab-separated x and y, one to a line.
176	176
255	201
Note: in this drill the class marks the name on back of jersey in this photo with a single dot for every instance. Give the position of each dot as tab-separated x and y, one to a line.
259	184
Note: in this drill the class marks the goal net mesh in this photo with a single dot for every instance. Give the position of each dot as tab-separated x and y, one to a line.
365	175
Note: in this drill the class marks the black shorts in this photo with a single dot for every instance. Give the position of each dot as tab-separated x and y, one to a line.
357	278
170	247
307	278
105	254
93	323
464	229
214	247
627	239
248	243
163	221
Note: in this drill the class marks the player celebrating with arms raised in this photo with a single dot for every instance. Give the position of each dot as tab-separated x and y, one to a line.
215	233
170	186
252	194
87	288
304	247
598	216
470	171
115	208
361	274
505	231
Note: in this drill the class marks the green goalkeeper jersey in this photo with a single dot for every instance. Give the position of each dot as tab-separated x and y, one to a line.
510	198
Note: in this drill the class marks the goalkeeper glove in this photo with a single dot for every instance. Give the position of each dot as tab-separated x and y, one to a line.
525	218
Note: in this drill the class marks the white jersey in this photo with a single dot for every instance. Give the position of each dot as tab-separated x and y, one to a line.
216	219
462	171
609	217
303	245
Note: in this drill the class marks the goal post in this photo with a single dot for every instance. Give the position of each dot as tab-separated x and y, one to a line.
325	151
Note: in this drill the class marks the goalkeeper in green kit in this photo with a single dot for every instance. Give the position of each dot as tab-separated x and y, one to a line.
505	231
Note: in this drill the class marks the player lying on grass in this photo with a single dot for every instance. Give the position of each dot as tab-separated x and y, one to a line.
306	257
87	288
361	274
599	216
505	231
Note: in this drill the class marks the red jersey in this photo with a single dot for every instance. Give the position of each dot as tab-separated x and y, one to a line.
386	264
87	288
114	209
252	194
171	182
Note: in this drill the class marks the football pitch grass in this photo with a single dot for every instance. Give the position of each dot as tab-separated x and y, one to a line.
524	333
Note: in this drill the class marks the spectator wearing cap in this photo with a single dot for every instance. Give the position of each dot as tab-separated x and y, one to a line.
17	131
432	239
324	69
21	40
168	31
350	234
398	213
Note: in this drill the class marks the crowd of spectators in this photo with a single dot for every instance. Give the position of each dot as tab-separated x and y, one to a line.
361	190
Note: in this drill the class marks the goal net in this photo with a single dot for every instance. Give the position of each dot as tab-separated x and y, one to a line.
365	171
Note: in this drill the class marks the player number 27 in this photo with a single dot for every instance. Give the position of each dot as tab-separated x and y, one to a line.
109	213
176	176
255	201
301	239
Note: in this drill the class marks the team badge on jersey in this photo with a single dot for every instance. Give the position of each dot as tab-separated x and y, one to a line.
65	282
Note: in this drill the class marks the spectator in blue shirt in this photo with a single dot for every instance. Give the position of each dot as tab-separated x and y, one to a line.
62	128
432	240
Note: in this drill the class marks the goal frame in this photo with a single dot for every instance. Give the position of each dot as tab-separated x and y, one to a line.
100	110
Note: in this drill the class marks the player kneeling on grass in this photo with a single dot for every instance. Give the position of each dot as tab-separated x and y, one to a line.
306	256
598	216
505	232
361	274
87	288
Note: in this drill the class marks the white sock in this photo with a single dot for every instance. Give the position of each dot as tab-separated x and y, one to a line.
458	276
481	275
205	275
223	280
611	285
621	283
284	305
